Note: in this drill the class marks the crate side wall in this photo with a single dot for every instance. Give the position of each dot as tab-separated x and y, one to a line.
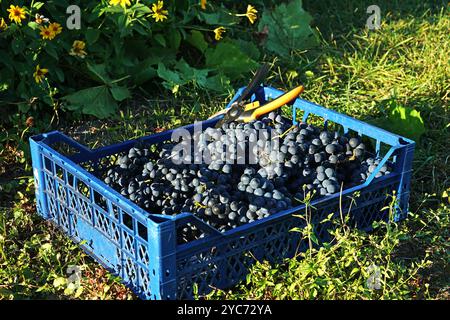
36	159
129	247
405	161
226	261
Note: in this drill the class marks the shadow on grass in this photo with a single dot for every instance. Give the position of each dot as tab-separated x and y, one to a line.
336	17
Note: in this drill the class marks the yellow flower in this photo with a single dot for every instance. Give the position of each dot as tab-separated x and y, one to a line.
39	74
16	14
122	3
55	28
3	24
203	4
47	33
159	14
218	32
250	14
78	49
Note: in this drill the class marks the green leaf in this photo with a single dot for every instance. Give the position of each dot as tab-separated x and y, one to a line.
123	22
24	107
197	40
33	25
249	48
118	46
4	86
174	39
192	74
219	83
99	72
354	271
120	93
59	74
96	101
114	9
141	8
6	60
168	75
142	31
314	239
144	75
288	28
220	17
59	282
92	35
404	121
184	74
158	54
22	90
159	38
38	5
78	292
31	34
228	59
145	71
51	50
17	45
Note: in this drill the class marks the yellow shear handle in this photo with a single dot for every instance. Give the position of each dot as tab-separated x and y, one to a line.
281	101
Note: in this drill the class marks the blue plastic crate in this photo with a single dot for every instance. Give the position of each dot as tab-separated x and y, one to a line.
142	248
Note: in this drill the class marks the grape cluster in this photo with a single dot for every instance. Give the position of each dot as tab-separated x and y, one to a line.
241	172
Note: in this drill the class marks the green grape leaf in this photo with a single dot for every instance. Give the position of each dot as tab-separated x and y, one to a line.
229	59
220	17
92	35
96	101
174	39
144	71
159	38
404	121
288	27
249	48
192	74
99	72
168	75
197	40
219	83
120	93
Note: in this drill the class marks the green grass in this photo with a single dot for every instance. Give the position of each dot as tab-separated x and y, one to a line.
399	258
355	71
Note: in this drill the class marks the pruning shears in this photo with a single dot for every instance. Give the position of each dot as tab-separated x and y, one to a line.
243	111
